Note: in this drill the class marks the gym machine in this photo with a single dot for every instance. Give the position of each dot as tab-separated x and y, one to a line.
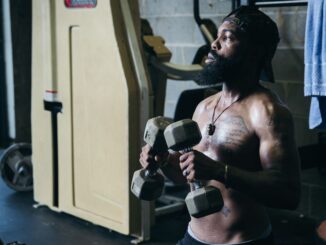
91	98
269	3
16	167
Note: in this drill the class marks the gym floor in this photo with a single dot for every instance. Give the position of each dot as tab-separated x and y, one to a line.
20	221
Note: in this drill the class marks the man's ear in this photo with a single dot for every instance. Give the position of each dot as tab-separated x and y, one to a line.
258	52
261	55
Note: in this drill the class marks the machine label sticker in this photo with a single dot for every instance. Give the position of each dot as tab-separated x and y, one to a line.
81	3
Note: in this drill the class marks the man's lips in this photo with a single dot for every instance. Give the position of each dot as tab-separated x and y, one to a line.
210	58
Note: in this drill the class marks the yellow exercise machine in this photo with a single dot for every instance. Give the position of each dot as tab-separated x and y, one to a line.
93	91
91	98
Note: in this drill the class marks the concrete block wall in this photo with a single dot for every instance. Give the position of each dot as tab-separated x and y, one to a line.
288	65
174	21
313	196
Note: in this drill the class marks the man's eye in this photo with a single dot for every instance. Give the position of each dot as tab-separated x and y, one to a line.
230	38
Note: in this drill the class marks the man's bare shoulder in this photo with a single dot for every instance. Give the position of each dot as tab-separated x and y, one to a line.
206	104
266	109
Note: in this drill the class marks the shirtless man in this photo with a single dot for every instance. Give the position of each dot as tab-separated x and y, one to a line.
247	149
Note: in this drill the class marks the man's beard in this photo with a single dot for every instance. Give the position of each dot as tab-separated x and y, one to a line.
220	70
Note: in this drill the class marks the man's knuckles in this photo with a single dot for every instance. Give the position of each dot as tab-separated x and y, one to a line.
149	158
146	148
191	176
189	156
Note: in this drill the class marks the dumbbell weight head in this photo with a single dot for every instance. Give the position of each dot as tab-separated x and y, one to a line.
182	135
154	133
145	186
204	201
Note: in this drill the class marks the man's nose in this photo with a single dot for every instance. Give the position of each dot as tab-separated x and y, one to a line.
216	44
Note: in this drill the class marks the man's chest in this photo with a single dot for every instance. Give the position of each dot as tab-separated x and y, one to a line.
232	133
232	139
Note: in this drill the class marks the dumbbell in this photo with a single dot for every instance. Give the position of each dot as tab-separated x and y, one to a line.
201	201
147	184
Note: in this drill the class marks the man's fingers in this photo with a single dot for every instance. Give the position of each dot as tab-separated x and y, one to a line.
183	165
186	160
146	148
191	176
184	156
185	173
145	158
141	161
188	171
162	157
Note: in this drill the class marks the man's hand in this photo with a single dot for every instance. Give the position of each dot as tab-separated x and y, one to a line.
197	166
149	160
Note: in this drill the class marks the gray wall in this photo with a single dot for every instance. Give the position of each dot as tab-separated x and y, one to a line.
174	21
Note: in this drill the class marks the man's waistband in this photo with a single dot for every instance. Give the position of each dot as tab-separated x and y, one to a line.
267	232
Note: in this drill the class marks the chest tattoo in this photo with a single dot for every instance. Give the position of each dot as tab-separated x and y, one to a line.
232	132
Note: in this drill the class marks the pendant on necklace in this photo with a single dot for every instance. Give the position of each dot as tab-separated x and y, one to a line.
210	129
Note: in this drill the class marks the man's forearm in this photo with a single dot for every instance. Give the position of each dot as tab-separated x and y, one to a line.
269	187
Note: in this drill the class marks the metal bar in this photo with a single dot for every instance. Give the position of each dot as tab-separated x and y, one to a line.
172	204
9	69
196	12
54	108
233	4
281	3
146	94
168	209
206	34
237	4
179	72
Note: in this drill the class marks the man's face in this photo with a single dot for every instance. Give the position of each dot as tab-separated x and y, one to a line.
226	58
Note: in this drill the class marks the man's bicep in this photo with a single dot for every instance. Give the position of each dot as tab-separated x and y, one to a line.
277	144
279	155
271	153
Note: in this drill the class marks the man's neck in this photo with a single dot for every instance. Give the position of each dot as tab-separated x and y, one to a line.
245	80
234	91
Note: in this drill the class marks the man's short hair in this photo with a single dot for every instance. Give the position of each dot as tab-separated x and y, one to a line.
257	26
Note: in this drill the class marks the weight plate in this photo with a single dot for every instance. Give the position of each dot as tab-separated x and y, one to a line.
16	167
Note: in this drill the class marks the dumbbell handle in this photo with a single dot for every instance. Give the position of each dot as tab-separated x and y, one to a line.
150	172
196	184
153	171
